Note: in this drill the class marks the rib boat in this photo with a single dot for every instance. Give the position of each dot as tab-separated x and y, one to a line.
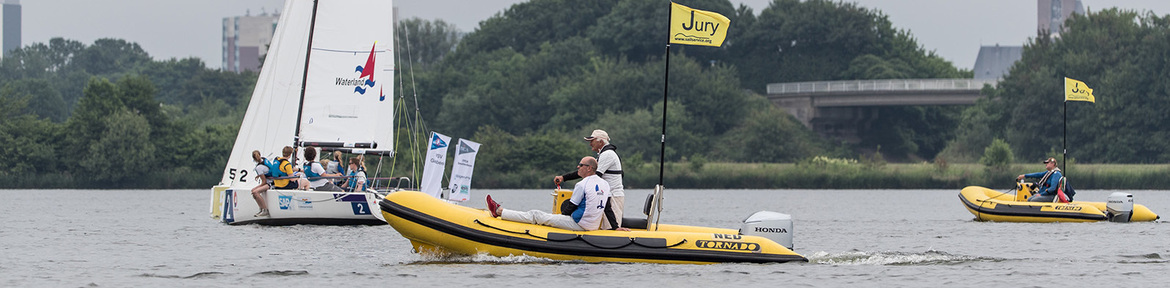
991	205
438	227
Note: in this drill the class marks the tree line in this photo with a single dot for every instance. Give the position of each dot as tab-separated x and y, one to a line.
532	80
107	115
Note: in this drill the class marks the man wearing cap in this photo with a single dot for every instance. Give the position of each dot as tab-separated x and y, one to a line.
609	167
1049	181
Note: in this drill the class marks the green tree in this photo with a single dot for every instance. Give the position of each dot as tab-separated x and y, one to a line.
1121	56
123	152
42	99
427	42
526	26
998	156
637	30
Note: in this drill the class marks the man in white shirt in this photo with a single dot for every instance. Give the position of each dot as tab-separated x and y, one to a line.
609	168
590	196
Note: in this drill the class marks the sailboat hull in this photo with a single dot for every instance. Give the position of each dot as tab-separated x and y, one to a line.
292	207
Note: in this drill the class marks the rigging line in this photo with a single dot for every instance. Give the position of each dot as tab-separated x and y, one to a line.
419	124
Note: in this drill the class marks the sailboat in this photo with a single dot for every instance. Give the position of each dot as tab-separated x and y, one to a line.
324	84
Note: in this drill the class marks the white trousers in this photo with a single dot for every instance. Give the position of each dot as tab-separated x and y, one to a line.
542	218
617	204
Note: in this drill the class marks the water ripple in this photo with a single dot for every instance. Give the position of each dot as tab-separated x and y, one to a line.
283	273
930	257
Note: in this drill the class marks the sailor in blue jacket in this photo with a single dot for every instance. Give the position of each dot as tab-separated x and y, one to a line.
1049	181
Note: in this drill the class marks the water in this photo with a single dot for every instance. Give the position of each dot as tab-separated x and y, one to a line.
920	238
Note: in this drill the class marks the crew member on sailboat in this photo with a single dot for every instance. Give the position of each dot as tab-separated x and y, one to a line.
317	173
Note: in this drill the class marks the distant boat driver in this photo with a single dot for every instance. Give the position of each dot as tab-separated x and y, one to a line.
589	196
1049	181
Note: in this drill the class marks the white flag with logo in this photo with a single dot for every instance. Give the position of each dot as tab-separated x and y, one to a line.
460	183
436	162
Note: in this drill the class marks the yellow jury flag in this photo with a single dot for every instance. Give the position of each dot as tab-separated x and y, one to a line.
697	27
1075	90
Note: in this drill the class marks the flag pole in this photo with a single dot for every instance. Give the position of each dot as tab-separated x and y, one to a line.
665	88
1064	144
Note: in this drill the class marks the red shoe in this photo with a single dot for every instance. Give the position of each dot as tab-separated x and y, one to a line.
493	206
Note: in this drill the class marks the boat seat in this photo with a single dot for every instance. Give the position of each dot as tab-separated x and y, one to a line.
634	222
640	222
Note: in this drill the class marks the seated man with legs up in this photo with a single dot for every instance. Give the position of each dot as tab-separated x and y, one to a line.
589	195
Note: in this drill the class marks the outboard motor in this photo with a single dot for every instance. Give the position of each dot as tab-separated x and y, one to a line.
1119	206
771	225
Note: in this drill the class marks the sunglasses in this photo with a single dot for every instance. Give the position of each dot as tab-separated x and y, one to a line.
583	164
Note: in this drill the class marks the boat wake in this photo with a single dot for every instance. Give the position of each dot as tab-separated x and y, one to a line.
1152	258
482	258
930	257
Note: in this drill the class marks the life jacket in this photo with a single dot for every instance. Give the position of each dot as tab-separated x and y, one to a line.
279	168
309	170
610	171
1044	185
352	182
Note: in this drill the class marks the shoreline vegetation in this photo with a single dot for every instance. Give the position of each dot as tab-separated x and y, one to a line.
693	175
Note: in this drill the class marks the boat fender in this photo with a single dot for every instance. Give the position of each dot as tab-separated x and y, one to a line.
774	226
1119	207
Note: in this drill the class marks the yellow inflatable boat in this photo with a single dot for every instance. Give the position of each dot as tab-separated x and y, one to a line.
435	226
991	205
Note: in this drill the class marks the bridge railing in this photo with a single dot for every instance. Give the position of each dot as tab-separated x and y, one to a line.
878	85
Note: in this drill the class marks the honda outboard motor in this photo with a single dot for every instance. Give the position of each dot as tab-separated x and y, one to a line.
771	225
1119	206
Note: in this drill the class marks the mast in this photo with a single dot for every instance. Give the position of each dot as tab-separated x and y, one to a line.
305	77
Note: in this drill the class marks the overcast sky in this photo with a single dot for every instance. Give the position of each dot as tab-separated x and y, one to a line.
954	29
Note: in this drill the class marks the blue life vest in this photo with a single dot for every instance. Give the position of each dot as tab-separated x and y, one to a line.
274	167
309	170
353	180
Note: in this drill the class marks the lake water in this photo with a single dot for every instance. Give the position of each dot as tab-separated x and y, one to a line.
917	238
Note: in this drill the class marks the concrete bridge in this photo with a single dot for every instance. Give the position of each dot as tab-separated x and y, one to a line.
839	109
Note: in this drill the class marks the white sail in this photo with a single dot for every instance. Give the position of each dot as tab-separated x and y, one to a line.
270	121
350	80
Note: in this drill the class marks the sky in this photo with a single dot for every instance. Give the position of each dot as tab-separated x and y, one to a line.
953	29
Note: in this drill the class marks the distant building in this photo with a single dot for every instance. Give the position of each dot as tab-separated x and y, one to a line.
1050	14
11	33
994	62
246	39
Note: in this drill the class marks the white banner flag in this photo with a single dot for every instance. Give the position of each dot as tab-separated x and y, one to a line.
436	162
461	171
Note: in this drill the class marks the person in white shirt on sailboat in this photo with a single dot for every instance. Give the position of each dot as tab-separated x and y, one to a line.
357	176
316	173
262	172
609	168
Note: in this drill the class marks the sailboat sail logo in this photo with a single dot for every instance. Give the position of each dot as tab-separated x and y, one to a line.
367	72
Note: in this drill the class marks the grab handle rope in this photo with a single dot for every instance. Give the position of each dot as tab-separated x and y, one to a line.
633	241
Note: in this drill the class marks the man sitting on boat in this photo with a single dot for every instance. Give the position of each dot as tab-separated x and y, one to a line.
609	167
1049	181
589	195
